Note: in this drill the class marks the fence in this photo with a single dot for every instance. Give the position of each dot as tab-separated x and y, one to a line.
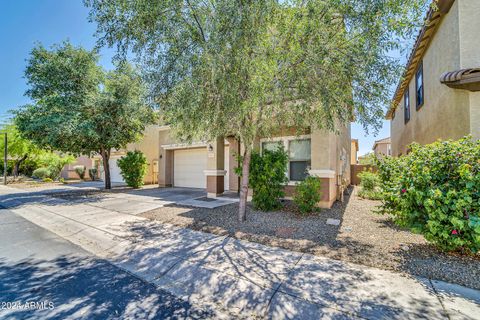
355	169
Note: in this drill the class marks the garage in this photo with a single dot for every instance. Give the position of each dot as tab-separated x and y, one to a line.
115	175
188	167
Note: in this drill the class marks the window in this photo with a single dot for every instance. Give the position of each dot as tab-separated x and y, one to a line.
299	159
406	101
271	146
299	150
419	86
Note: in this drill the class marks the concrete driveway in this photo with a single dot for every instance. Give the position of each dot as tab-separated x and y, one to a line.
136	201
238	278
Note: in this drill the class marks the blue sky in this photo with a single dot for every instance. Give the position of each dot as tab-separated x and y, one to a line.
25	22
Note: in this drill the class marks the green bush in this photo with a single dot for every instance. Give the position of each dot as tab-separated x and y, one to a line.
435	190
133	168
369	185
92	173
307	195
41	173
267	178
47	180
55	163
80	170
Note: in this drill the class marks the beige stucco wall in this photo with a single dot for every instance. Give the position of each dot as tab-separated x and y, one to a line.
381	149
475	114
469	28
68	172
149	145
446	112
353	153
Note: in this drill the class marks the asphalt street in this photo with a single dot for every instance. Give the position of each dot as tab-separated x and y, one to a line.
42	276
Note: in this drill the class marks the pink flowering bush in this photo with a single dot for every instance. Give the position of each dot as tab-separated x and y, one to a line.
435	190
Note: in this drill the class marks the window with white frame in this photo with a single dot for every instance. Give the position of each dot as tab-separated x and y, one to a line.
299	154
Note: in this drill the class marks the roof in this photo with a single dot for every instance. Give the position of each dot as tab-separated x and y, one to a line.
468	79
355	141
384	140
425	36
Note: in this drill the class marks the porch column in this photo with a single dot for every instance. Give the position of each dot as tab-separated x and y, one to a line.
165	168
215	172
233	179
323	165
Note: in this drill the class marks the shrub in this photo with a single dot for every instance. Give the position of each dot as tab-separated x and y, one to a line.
54	162
267	178
41	173
435	190
92	173
369	185
307	195
80	170
133	168
47	180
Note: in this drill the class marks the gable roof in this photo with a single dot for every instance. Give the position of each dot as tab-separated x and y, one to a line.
384	140
425	36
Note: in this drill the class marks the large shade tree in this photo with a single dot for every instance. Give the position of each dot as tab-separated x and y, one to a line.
80	108
245	67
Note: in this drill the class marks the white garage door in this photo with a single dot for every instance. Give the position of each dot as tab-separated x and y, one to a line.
115	175
188	167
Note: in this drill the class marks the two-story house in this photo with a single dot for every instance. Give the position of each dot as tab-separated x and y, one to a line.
438	96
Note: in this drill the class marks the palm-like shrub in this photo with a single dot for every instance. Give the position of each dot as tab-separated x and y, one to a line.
80	170
92	173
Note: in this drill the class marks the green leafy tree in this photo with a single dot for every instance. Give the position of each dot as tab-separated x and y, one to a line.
80	108
19	149
243	68
367	159
133	168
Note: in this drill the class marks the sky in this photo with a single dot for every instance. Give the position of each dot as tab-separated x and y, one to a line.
23	23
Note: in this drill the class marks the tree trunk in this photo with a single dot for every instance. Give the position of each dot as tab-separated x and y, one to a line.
106	167
242	207
17	166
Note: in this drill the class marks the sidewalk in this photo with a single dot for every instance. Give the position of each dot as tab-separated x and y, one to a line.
238	277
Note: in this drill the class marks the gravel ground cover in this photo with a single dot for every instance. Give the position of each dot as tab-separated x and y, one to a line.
362	237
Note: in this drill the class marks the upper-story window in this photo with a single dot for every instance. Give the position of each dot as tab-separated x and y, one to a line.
419	86
406	102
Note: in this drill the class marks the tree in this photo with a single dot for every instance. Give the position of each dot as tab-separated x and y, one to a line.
80	108
367	159
19	149
244	68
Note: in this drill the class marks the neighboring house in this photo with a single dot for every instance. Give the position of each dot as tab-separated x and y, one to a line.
211	165
382	147
354	152
439	94
149	145
68	172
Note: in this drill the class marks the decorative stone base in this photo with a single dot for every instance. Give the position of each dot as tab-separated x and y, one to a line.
215	185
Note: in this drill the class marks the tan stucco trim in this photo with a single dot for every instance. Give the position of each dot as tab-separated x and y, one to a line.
215	172
322	173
